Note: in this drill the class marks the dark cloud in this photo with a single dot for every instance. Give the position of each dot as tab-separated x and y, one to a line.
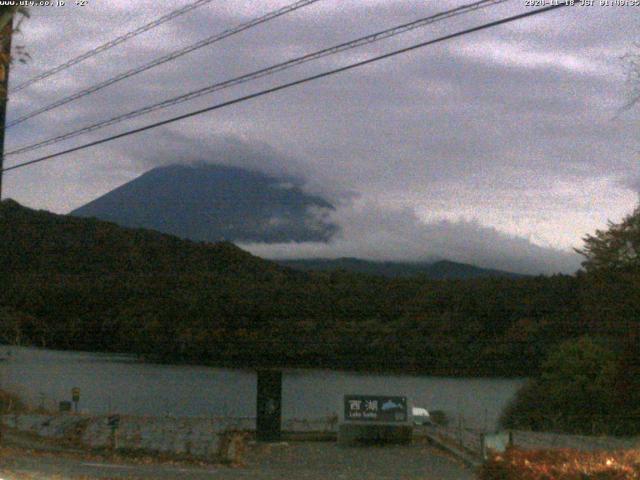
175	147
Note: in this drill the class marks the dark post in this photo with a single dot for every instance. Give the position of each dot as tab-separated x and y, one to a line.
269	405
75	396
114	422
5	59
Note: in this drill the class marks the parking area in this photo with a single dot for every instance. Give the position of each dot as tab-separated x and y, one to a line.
285	460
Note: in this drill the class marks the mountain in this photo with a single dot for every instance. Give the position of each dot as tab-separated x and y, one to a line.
43	243
439	270
214	203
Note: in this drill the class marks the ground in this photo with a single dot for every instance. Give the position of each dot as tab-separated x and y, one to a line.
291	461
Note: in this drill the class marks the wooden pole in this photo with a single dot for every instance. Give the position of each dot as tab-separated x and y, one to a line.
5	61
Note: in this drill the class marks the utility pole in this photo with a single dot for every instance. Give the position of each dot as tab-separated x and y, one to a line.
5	60
6	32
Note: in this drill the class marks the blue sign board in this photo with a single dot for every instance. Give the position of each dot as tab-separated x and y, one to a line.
375	408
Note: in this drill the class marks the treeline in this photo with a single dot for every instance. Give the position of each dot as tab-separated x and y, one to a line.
591	384
85	284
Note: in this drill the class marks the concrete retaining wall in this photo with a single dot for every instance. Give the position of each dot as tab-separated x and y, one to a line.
471	440
356	434
199	437
296	425
539	440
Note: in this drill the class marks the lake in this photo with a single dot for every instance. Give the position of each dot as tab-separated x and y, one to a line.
120	383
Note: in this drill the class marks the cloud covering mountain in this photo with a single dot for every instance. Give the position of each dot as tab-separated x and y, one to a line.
375	232
307	218
215	203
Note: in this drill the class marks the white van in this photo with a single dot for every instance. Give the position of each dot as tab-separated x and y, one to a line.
420	416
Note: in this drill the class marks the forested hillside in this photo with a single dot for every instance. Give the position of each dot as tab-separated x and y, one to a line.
86	284
436	270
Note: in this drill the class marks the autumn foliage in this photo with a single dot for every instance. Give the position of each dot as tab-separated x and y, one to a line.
562	464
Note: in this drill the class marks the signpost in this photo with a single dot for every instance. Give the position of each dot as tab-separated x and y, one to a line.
375	419
114	422
375	408
269	405
75	396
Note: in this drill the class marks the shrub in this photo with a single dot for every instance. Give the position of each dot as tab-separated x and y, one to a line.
562	465
573	394
10	403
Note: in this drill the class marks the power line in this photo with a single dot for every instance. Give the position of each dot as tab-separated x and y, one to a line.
390	32
166	58
291	84
112	43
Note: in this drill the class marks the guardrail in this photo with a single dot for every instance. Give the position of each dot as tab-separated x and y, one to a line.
472	445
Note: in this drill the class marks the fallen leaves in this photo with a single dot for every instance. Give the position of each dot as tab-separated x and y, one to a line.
564	464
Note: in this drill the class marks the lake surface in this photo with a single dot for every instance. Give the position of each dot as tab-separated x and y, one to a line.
119	383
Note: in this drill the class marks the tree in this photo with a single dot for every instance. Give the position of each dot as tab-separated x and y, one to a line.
7	28
574	392
7	14
615	249
627	386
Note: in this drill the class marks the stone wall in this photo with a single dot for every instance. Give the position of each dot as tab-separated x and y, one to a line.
199	437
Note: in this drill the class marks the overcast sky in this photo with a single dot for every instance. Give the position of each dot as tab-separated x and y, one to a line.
501	148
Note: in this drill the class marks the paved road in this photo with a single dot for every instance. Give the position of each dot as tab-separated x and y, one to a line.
303	460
